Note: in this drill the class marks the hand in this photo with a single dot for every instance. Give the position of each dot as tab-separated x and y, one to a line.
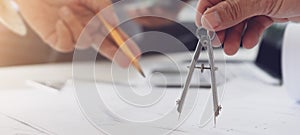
243	21
60	22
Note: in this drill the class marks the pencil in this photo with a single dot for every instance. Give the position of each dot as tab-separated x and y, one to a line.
121	44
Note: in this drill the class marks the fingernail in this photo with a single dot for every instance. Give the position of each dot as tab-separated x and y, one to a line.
65	11
211	20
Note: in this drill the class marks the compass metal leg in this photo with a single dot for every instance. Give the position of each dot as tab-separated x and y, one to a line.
204	41
213	82
180	102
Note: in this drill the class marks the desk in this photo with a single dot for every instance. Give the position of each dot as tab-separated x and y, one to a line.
250	107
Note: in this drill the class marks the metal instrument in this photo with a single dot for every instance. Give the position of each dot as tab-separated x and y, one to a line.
205	38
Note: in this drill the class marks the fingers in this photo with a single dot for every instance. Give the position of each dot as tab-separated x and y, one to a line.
75	27
295	19
61	39
108	48
280	20
64	41
131	44
203	5
219	39
67	15
229	13
233	39
120	57
255	28
113	53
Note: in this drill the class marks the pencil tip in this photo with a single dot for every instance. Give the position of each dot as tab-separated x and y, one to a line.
140	70
143	74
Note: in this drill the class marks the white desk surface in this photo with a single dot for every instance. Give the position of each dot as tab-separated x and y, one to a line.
250	107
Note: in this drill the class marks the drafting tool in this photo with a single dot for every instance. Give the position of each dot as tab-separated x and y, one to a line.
10	17
205	38
115	34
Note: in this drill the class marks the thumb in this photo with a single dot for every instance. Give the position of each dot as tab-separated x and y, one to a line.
231	12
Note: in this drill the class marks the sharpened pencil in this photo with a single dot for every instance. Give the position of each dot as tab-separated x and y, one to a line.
116	36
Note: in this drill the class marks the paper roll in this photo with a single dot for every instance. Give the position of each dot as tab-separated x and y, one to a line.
291	60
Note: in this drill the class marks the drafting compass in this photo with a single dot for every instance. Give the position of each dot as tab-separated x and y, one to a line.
205	38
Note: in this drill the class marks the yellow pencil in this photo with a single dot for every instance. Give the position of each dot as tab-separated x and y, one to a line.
121	43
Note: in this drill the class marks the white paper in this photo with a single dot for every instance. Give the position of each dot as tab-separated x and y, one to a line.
290	62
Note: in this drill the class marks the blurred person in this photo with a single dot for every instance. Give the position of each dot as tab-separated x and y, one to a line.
60	23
